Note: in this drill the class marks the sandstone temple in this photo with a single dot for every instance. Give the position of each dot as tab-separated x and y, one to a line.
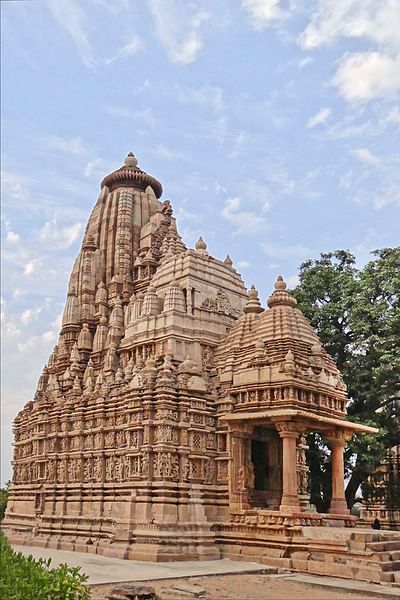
170	421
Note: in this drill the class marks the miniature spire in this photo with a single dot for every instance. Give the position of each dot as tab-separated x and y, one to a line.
85	339
253	305
289	365
100	336
280	297
71	311
101	298
174	298
151	305
228	261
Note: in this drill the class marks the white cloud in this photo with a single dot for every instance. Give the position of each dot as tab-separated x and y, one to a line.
127	50
177	30
244	221
363	76
72	19
280	250
320	117
365	156
61	237
14	185
30	314
30	266
13	237
376	20
264	12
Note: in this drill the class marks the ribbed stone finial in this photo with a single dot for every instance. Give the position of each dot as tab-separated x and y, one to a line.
253	304
131	162
280	297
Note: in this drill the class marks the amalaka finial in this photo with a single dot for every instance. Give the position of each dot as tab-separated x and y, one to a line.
200	244
280	297
280	284
201	247
131	162
253	304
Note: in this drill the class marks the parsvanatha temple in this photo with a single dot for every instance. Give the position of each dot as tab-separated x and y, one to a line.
170	421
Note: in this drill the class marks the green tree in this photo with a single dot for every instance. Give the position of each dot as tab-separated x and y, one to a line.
356	314
3	499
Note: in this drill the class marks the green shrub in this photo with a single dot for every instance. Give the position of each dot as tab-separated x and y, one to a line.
24	578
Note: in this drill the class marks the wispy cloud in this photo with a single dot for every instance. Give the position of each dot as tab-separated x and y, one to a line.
319	118
179	29
61	237
143	116
70	16
245	221
365	156
372	19
129	49
263	13
282	250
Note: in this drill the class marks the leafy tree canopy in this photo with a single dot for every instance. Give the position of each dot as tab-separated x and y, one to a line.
356	313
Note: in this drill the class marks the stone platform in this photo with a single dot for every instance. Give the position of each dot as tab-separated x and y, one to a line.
357	554
101	569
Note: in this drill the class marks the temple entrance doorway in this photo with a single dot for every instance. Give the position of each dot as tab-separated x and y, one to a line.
259	458
266	465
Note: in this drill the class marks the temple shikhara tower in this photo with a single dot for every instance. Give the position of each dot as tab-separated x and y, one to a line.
170	421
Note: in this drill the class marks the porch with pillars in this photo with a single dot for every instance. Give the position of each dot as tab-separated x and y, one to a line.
285	495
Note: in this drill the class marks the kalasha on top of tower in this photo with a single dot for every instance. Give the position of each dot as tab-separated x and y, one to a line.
129	175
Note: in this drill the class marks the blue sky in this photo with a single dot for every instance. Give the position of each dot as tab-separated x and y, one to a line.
273	126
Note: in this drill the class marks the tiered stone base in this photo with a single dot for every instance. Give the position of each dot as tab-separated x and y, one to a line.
335	551
303	542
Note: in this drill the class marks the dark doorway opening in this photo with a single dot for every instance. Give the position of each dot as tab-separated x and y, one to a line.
259	458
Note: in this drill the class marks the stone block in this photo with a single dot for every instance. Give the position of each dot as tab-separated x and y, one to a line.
389	577
276	552
299	565
298	555
317	556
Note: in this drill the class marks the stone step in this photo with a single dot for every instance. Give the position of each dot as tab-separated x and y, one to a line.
384	546
392	545
395	555
390	565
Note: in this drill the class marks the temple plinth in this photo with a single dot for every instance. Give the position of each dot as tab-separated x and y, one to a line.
170	421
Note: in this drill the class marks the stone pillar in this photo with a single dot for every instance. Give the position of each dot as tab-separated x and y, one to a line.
337	442
239	437
289	432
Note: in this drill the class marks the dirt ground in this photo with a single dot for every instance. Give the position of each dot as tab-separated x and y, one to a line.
237	587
